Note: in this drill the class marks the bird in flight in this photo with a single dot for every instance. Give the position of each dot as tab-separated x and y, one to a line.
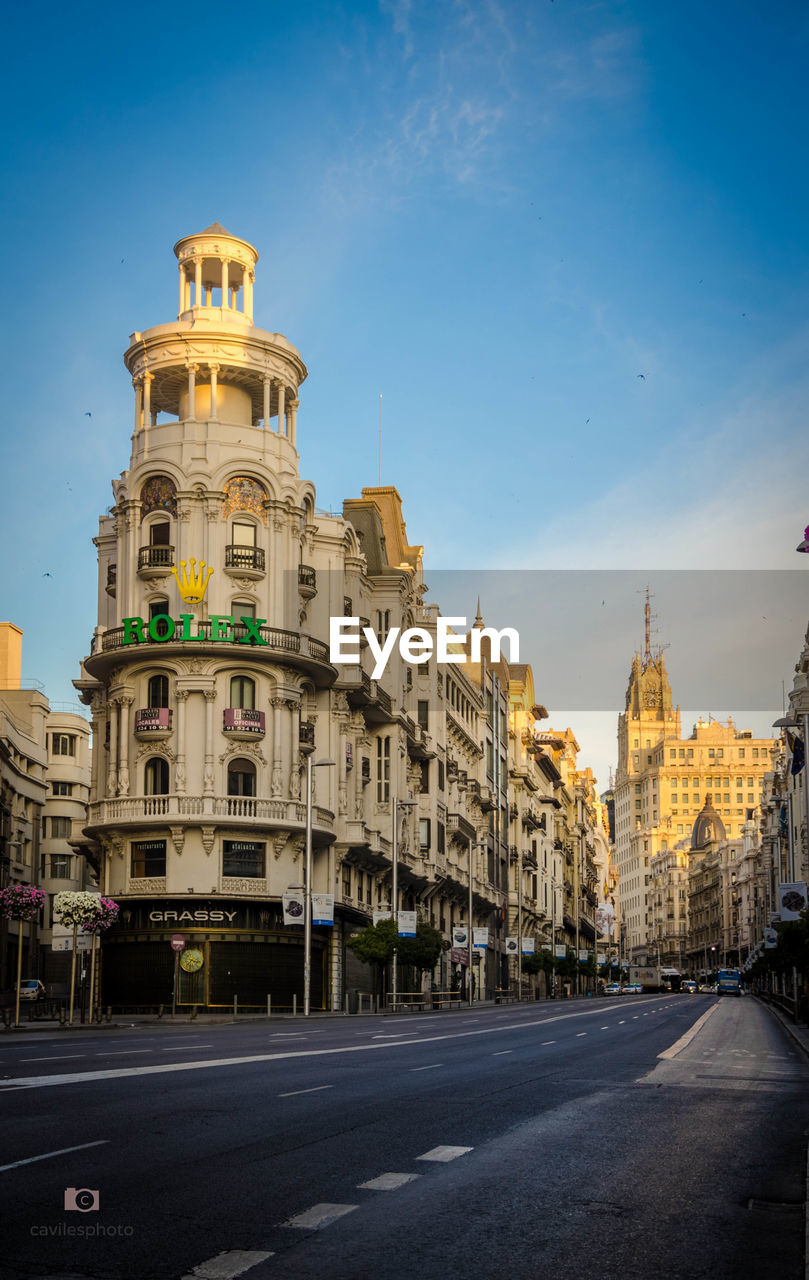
642	376
87	414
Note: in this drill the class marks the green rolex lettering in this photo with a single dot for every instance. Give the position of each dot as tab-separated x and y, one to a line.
253	634
221	627
161	627
186	619
133	631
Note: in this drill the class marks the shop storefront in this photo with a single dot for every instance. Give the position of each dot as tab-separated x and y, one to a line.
233	950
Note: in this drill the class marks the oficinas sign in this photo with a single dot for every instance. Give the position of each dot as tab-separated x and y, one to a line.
161	628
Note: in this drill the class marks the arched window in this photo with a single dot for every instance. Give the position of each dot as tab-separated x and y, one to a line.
158	691
156	777
243	693
243	609
241	778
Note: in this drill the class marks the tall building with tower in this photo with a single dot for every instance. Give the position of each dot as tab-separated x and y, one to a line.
662	782
210	683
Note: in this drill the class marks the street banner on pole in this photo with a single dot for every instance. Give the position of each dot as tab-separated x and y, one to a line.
382	915
323	908
512	945
792	900
528	946
560	951
407	924
293	903
584	956
770	939
62	939
480	939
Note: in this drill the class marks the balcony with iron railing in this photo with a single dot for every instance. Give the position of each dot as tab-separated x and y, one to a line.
245	561
155	561
307	581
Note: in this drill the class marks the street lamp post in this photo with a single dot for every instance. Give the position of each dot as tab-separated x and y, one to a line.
397	805
307	889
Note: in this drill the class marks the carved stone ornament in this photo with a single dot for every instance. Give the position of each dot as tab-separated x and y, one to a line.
230	884
208	838
243	749
177	838
278	844
155	885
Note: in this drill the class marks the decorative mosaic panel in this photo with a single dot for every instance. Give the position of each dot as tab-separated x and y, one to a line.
159	493
242	493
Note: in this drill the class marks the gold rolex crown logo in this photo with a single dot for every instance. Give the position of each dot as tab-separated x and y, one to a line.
193	583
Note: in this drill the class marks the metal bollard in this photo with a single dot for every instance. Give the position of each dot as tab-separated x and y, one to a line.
294	1005
62	1016
194	1010
160	1011
109	1013
269	1006
235	1005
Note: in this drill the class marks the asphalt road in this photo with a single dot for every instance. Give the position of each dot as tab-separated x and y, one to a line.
619	1138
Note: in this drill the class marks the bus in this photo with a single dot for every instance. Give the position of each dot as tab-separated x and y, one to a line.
729	983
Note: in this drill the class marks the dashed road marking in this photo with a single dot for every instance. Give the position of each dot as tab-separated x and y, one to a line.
603	1028
622	1022
544	1042
55	1057
501	1052
580	1034
115	1053
431	1067
316	1089
49	1155
177	1048
388	1182
443	1154
320	1215
226	1266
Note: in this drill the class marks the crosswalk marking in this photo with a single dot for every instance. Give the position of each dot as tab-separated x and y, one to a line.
443	1154
225	1266
320	1215
388	1182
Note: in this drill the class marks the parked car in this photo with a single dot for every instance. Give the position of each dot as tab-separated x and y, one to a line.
612	989
632	989
32	989
690	987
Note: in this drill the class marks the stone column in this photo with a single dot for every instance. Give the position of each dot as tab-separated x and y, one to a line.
197	282
248	305
148	379
295	750
214	369
293	419
181	696
124	744
208	781
225	299
192	387
138	385
245	284
112	766
281	394
182	288
276	784
267	391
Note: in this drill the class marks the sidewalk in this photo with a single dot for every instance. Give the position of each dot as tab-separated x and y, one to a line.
797	1031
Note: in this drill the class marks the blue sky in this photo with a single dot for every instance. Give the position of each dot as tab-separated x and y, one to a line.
496	215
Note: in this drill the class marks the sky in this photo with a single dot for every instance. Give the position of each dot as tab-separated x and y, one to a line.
564	241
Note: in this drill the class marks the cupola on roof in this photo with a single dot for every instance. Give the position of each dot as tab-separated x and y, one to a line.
217	270
709	827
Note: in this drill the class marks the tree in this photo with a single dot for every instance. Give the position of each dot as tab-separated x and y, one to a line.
376	943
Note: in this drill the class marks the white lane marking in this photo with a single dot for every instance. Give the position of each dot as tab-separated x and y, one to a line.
635	1018
603	1028
114	1073
387	1182
501	1052
178	1048
116	1053
548	1042
394	1035
431	1067
622	1022
580	1034
317	1088
287	1035
225	1266
320	1215
49	1155
470	1019
686	1039
443	1154
55	1057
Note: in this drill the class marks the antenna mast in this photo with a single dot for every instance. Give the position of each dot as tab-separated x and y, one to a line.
380	439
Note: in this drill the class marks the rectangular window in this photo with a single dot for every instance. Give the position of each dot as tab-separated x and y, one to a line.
66	788
243	858
440	775
346	882
382	770
741	753
424	833
673	753
425	777
148	858
755	753
244	535
60	828
60	866
63	744
423	713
